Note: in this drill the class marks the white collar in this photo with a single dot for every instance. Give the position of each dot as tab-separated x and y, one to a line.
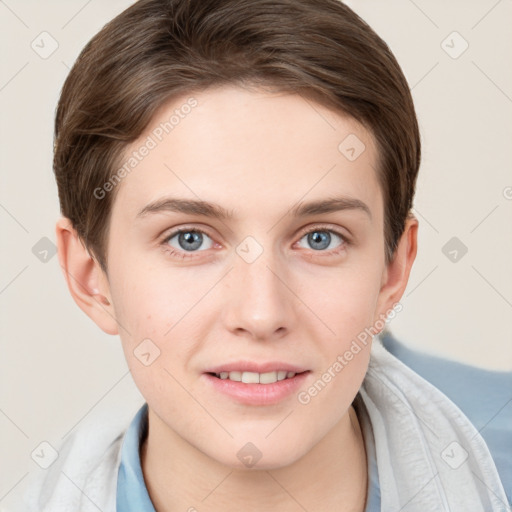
430	457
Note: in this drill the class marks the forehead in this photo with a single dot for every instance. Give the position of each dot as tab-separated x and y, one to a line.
247	148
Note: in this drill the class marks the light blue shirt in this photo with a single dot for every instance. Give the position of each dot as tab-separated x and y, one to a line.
132	495
484	396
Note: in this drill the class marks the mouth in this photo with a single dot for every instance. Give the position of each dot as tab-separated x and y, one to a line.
255	377
253	388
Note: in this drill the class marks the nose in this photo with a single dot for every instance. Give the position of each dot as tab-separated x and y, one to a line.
259	301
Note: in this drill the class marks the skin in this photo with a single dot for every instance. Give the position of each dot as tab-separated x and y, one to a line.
257	154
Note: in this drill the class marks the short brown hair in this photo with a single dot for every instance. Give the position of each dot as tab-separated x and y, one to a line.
158	49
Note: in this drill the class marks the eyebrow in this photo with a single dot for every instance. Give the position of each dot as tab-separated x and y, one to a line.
206	209
330	205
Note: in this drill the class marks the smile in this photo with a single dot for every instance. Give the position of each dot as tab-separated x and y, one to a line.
254	377
252	388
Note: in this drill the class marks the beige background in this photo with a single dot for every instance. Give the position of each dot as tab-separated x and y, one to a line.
58	369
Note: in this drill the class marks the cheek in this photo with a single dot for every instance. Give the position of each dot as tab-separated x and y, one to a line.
343	301
343	340
151	300
162	305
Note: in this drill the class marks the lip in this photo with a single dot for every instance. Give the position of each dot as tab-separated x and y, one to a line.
257	394
251	366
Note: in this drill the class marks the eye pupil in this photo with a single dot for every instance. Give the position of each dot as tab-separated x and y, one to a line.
193	239
316	238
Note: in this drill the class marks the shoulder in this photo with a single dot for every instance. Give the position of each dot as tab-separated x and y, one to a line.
84	475
484	396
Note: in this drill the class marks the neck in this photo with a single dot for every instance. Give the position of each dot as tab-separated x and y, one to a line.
330	477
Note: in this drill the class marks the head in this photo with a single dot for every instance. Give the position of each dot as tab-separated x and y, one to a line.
286	157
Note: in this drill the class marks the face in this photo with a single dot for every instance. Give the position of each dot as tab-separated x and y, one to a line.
280	271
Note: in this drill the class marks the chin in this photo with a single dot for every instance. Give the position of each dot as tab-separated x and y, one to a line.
254	455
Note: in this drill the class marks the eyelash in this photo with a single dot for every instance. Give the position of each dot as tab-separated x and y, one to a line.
185	255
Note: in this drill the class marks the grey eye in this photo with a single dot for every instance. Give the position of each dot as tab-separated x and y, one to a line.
320	239
189	240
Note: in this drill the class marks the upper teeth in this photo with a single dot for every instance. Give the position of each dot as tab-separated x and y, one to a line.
256	378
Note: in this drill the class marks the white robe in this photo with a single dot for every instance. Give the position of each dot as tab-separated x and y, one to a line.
430	457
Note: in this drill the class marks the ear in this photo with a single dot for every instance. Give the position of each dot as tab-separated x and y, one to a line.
396	274
85	278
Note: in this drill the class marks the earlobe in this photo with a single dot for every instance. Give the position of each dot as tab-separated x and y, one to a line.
396	274
86	280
